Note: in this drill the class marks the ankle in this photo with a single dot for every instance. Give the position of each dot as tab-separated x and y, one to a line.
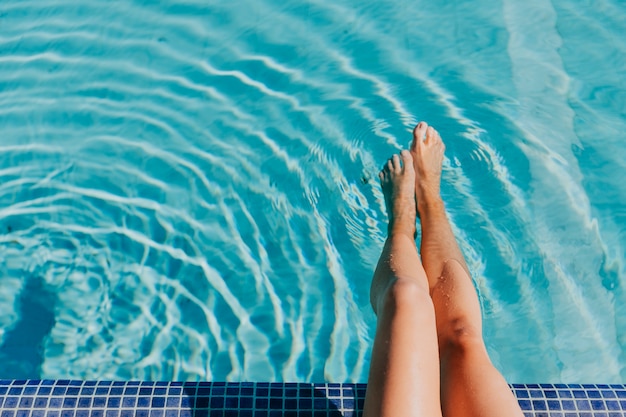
401	230
430	204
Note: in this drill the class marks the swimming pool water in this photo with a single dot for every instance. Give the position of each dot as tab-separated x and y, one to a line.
188	189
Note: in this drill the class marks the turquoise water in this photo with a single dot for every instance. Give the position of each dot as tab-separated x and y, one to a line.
188	190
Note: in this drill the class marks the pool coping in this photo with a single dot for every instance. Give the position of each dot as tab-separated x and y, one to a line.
75	398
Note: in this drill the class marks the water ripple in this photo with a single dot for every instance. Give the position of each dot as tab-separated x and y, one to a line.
195	188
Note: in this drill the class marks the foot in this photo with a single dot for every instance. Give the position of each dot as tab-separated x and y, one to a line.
398	182
427	151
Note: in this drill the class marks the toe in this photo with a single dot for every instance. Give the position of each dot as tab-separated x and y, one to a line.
396	163
430	135
388	166
407	159
418	134
436	138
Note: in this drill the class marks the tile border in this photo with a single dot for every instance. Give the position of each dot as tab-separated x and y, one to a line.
73	398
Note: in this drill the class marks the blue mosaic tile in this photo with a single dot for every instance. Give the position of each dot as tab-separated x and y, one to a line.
550	393
568	405
305	403
143	402
158	402
40	402
69	402
612	405
554	405
218	390
26	402
172	402
536	393
539	405
10	402
579	393
598	405
113	402
98	402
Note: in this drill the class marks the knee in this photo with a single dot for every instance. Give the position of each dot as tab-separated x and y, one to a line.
459	337
459	325
406	295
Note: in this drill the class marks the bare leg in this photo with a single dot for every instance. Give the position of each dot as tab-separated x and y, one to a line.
470	384
404	371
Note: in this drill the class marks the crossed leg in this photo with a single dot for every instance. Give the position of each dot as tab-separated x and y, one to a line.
428	356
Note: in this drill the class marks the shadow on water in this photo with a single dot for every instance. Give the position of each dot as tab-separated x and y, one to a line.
264	400
21	354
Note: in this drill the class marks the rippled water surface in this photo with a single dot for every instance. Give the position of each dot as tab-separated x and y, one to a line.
188	189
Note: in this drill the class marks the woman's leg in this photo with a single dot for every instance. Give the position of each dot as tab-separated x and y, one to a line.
404	371
470	384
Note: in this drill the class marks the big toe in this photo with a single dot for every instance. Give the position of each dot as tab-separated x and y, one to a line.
418	134
407	161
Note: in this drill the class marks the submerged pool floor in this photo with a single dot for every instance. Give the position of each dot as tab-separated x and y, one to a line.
71	398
